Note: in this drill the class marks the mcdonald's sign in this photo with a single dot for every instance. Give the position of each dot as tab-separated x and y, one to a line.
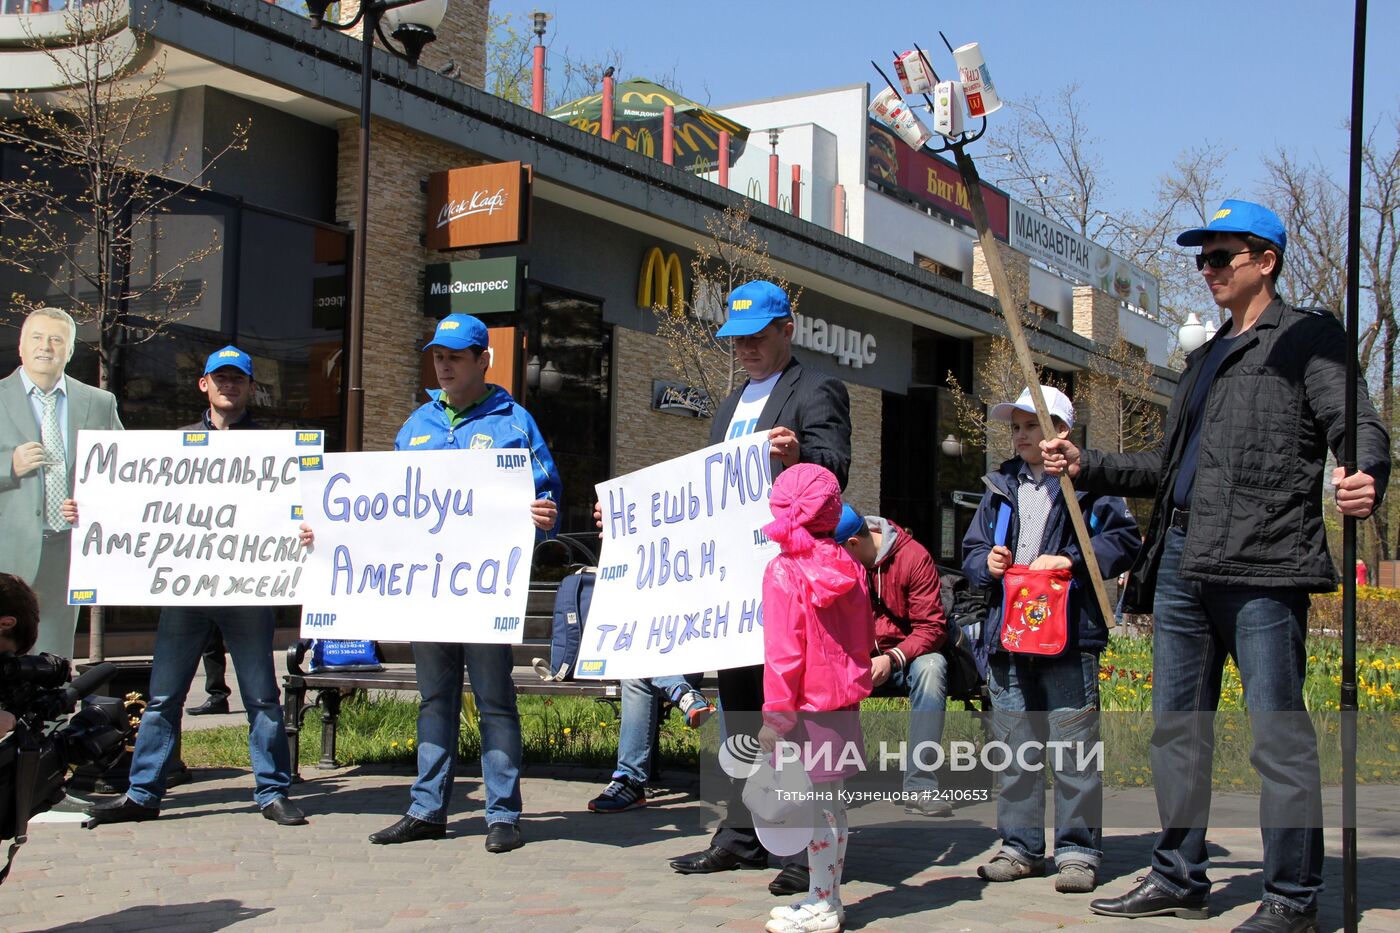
661	282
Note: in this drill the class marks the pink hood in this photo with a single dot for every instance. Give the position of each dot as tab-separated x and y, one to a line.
818	628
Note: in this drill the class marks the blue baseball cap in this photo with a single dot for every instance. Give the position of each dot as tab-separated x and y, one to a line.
752	307
1239	217
849	526
458	332
229	356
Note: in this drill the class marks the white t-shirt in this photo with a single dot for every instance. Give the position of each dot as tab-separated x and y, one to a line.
746	415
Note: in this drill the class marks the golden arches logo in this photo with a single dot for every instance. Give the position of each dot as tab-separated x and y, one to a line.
662	282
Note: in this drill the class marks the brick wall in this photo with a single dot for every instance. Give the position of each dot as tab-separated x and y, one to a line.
863	488
642	437
395	327
461	39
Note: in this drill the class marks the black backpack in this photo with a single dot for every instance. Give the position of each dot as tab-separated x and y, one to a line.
966	610
570	611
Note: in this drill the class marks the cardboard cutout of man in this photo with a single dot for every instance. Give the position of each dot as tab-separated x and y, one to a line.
42	409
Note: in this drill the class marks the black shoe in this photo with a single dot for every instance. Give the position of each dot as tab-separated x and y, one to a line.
714	859
209	707
121	810
179	773
502	837
791	880
284	813
929	806
1273	917
1149	900
409	829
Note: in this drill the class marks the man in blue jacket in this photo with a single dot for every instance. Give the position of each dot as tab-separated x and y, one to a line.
1022	520
466	413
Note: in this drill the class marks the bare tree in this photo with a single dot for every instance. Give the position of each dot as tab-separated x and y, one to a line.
1313	207
87	216
732	254
510	68
1047	157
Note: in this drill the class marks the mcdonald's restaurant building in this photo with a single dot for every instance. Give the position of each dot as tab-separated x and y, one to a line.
563	254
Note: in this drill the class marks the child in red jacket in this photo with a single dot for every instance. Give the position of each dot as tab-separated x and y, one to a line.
817	632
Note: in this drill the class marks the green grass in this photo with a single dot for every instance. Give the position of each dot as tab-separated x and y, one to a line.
578	730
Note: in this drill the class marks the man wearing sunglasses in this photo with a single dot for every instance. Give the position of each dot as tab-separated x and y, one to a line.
1235	545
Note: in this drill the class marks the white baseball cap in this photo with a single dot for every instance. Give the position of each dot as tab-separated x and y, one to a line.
1059	404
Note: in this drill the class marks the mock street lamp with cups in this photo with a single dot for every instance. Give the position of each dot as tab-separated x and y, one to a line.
953	105
413	24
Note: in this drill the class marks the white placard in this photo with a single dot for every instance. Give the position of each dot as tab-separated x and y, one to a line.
680	579
430	545
189	518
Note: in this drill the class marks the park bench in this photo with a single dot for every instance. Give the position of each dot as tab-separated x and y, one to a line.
552	560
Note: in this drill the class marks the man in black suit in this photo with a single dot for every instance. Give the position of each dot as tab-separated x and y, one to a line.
807	417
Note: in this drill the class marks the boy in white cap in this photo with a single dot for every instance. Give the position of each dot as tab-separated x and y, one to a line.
1022	521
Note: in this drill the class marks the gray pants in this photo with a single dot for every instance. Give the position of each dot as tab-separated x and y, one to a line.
58	621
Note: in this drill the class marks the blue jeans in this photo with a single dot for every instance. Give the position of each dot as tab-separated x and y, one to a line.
925	681
180	639
1196	625
641	705
1061	696
439	669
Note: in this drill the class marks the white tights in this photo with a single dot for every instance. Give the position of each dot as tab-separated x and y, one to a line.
826	853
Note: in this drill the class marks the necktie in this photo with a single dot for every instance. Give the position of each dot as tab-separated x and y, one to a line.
56	472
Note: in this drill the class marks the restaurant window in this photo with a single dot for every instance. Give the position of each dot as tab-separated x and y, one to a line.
566	384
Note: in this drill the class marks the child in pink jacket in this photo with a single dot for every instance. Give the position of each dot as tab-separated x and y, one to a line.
817	632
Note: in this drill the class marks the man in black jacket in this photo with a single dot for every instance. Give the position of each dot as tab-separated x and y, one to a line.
1235	545
181	635
807	417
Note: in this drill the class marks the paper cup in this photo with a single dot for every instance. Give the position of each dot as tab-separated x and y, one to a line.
889	109
977	84
914	74
948	108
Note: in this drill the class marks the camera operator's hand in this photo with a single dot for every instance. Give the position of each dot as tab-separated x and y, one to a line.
7	722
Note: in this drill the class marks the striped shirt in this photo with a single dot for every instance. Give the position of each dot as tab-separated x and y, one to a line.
1034	502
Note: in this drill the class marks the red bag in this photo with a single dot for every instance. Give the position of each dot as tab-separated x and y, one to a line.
1035	616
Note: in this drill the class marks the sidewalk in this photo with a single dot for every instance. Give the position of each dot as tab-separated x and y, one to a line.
211	863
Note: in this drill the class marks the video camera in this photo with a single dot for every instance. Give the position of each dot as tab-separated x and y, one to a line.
34	757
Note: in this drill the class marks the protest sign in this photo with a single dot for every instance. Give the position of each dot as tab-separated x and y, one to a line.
680	580
427	545
189	518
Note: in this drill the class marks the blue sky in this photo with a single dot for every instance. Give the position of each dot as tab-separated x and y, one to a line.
1155	77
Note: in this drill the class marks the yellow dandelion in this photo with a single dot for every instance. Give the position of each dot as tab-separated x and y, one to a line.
568	731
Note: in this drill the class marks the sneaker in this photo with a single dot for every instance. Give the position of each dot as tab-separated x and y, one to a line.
1003	867
788	910
622	794
1075	878
807	918
695	708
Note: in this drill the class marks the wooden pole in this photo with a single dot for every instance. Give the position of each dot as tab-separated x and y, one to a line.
1001	285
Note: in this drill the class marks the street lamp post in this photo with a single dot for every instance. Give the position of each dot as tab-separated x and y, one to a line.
413	24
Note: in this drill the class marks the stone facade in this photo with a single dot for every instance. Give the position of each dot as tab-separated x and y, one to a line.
642	437
863	488
461	39
400	160
1095	314
395	327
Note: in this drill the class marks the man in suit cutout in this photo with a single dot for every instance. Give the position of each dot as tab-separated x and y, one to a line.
807	417
41	412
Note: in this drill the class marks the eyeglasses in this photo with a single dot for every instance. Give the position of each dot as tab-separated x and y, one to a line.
1217	258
